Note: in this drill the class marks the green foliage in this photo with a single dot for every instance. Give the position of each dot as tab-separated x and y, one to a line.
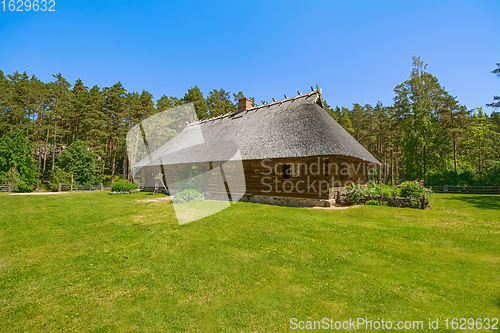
355	192
375	203
187	195
479	139
495	104
423	135
380	190
80	162
415	204
59	176
165	103
195	96
15	153
418	99
412	189
123	187
12	177
219	103
388	192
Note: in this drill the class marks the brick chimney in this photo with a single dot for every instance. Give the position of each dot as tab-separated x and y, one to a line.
244	103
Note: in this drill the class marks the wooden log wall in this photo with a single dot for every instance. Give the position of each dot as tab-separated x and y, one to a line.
265	177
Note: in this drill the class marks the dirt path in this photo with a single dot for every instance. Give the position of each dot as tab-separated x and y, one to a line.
38	193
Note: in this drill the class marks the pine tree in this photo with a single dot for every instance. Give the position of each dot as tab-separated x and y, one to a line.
219	103
496	104
116	115
165	103
5	91
479	139
195	96
78	109
61	98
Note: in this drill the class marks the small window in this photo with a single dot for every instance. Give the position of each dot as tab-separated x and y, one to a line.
291	170
286	171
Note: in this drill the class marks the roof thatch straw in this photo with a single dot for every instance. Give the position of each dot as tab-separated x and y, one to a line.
295	127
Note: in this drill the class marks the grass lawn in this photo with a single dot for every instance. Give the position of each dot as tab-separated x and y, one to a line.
92	262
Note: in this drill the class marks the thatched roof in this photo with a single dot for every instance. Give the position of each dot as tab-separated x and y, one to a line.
295	127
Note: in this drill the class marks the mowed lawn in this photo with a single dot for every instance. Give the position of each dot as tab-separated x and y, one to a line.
92	262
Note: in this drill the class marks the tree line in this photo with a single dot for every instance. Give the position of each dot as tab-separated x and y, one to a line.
426	134
51	116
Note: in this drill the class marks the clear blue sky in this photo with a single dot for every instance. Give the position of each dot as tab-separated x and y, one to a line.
357	51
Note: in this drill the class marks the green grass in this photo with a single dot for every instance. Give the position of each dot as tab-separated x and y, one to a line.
91	262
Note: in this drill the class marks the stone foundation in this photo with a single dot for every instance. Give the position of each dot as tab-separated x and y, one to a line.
287	201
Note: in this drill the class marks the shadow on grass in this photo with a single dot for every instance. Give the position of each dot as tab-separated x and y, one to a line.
479	201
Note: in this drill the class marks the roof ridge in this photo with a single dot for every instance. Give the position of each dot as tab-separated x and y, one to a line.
255	108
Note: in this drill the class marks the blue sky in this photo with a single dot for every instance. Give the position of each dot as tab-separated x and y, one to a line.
357	51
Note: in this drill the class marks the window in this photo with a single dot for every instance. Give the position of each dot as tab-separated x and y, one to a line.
286	171
291	170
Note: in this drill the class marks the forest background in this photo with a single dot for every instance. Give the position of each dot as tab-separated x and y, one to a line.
51	130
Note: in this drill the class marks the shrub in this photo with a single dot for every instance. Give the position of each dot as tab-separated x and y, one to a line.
376	203
123	187
380	190
354	193
415	204
388	192
59	176
187	195
14	178
412	189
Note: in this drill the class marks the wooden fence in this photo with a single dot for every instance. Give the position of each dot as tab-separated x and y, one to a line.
466	189
69	187
6	188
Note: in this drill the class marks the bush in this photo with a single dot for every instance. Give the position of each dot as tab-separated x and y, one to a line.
14	178
377	190
59	176
376	203
187	195
354	193
123	187
412	189
388	192
415	204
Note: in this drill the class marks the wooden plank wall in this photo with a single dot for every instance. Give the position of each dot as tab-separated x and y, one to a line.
264	177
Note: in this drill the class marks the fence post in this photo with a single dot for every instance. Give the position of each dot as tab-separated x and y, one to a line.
445	189
60	187
424	201
102	187
71	188
9	188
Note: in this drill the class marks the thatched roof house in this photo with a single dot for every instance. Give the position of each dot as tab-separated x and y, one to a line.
287	136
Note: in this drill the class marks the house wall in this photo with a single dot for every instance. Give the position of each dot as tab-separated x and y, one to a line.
318	178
